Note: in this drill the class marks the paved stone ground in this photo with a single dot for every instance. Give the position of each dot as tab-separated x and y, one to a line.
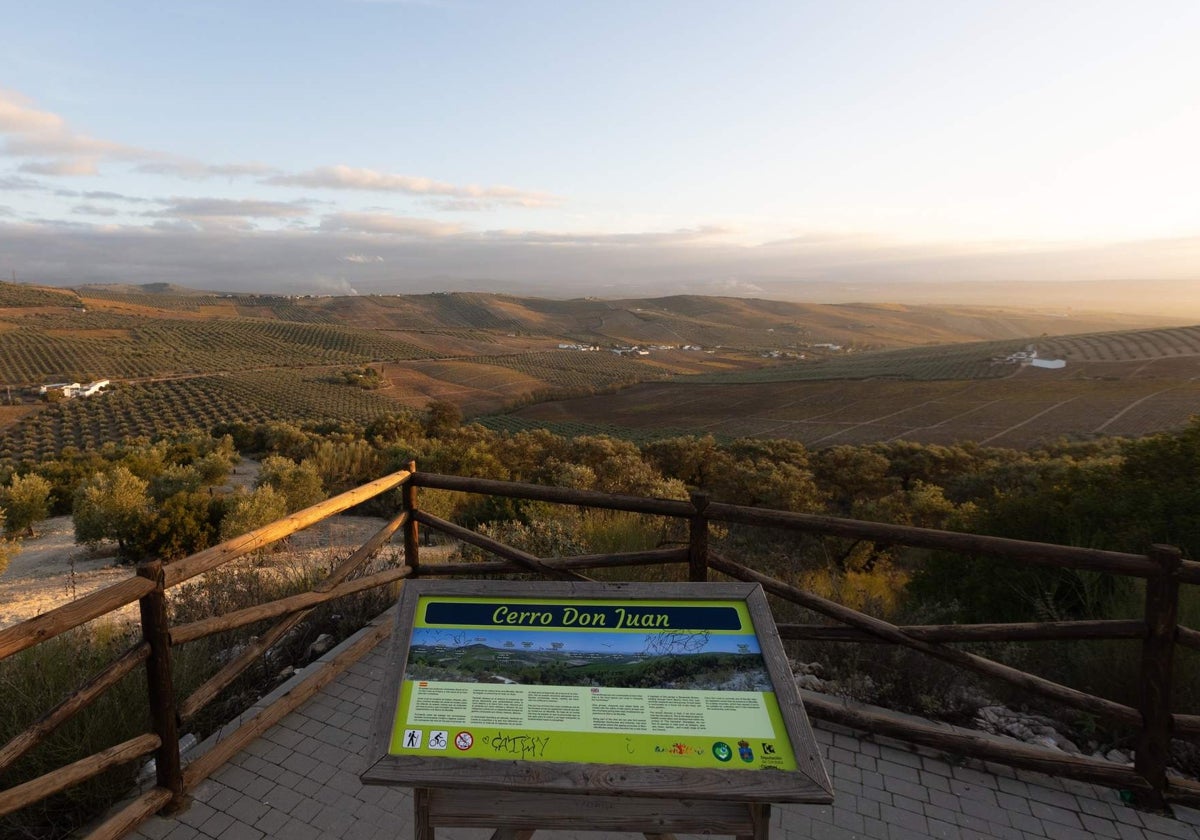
300	782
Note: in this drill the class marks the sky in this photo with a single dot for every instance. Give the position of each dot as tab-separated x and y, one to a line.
570	148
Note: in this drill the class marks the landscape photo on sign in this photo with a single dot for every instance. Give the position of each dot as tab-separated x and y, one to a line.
665	683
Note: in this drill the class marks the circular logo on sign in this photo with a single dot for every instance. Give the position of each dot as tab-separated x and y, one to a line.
464	741
722	751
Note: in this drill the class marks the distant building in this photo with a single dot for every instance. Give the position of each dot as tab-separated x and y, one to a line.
70	390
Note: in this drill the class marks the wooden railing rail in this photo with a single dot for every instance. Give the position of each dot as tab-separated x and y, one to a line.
974	745
969	661
561	495
1047	554
524	558
215	684
1040	631
1159	631
21	795
283	606
132	815
211	558
653	557
1189	572
83	697
59	620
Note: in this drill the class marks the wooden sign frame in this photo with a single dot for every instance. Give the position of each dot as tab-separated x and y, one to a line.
807	782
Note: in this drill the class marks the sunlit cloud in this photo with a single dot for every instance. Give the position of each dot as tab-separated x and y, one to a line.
33	133
62	166
384	223
351	178
361	259
703	233
194	170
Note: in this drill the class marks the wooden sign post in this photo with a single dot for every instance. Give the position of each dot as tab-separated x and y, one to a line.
585	706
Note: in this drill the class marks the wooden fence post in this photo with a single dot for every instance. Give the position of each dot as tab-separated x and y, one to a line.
1153	745
698	540
409	496
164	717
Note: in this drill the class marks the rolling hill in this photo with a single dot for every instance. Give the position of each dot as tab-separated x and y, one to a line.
822	373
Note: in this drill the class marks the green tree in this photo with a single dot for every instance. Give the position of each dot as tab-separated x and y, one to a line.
26	501
182	524
300	484
441	417
393	428
174	479
111	506
253	510
8	548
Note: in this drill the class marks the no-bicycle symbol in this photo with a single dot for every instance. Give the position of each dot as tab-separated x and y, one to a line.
464	741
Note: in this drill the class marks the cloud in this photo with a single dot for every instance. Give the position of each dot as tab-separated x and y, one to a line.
18	116
62	166
16	182
193	208
350	178
105	195
673	237
32	133
93	210
384	223
361	259
300	261
195	170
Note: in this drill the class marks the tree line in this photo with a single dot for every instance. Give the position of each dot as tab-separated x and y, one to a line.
171	497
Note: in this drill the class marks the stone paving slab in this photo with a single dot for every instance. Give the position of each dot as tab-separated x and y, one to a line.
300	782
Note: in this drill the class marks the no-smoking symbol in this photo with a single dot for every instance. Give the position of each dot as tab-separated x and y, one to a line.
464	741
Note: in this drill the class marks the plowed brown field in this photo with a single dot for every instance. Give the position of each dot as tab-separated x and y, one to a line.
1116	398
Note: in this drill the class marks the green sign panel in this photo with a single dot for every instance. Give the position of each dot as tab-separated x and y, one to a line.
676	683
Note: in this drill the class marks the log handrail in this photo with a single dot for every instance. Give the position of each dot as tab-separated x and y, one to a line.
1158	631
1048	554
83	697
211	558
59	620
1189	571
524	558
273	609
132	815
31	791
890	632
546	493
653	557
232	743
973	745
213	686
1032	631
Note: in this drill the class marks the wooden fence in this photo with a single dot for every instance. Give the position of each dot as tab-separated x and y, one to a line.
1152	719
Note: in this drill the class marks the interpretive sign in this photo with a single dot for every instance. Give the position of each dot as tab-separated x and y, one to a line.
655	688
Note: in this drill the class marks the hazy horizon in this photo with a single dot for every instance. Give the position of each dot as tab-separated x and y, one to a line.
775	149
